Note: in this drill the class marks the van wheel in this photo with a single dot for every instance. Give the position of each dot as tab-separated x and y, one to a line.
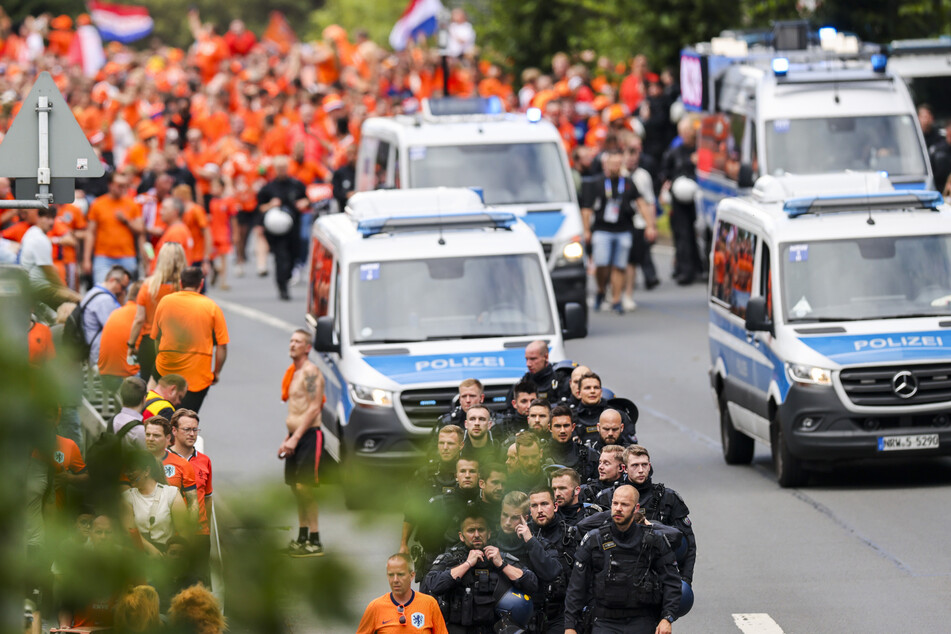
737	446
789	470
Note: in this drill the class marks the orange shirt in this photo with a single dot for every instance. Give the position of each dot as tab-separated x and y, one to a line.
178	473
179	233
145	299
422	615
202	466
113	343
196	220
67	457
112	238
187	328
41	344
222	209
71	216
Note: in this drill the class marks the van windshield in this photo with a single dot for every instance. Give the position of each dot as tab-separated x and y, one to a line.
870	278
886	143
507	173
449	298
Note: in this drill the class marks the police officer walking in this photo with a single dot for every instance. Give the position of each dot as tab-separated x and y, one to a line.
549	525
627	574
471	577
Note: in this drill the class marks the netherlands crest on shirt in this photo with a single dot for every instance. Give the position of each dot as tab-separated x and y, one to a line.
169	470
59	457
418	620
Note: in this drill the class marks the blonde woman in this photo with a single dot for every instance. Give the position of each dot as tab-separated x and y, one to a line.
163	281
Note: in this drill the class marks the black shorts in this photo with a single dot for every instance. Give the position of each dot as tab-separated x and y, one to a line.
639	248
301	466
249	218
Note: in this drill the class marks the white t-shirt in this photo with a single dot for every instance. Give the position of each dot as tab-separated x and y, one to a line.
161	529
36	250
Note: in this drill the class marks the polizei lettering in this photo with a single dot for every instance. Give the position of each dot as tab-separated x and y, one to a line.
461	362
908	341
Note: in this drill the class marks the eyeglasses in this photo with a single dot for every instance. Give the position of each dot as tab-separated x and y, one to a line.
399	609
189	430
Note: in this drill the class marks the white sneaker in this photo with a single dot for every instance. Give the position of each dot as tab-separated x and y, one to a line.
295	276
239	270
628	303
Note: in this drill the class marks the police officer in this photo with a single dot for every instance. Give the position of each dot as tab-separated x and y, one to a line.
566	486
587	412
515	419
529	473
480	443
469	578
549	525
627	574
471	392
540	373
564	451
611	431
435	521
610	474
661	504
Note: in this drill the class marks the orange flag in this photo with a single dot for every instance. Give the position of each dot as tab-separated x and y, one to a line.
279	33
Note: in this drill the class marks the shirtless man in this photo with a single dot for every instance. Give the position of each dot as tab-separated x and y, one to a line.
303	390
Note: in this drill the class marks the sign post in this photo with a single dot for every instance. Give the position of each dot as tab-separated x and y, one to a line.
46	170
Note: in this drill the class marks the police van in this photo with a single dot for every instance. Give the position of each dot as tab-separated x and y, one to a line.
410	293
797	101
518	162
830	322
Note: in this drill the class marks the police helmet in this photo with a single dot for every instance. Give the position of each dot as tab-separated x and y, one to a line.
686	598
516	606
684	188
278	221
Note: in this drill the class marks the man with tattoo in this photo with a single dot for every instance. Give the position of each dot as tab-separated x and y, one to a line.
303	390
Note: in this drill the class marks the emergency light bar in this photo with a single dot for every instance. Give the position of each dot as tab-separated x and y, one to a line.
455	107
882	201
465	220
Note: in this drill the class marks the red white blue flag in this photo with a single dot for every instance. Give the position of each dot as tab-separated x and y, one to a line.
120	22
420	17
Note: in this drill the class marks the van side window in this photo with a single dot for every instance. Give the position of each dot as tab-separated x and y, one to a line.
725	138
734	248
322	264
382	163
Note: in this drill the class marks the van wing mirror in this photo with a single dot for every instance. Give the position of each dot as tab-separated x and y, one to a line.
575	325
325	341
745	177
757	318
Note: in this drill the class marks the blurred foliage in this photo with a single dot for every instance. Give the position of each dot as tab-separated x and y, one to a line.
376	17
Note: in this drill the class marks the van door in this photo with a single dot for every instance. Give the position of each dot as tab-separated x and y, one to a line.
725	144
366	163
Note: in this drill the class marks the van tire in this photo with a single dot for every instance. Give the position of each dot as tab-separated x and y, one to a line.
737	447
788	468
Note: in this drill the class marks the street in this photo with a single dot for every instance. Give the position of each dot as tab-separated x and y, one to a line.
860	550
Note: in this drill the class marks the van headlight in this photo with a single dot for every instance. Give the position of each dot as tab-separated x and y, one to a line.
371	395
808	374
573	251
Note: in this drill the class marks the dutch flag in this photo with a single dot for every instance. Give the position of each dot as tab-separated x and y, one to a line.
120	22
420	16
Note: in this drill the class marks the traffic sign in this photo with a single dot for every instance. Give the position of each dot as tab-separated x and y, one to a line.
70	154
63	189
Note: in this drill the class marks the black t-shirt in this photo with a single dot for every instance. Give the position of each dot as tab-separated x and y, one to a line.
288	190
613	201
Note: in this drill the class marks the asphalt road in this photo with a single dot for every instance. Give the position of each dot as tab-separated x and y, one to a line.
859	550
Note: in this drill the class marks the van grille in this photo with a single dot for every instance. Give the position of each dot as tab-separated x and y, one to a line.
547	247
424	407
873	387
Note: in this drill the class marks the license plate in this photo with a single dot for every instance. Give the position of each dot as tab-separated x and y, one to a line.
901	443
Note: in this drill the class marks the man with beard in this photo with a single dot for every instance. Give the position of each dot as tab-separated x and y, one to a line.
289	194
610	431
661	504
470	575
529	473
479	443
626	572
566	487
515	419
492	480
563	450
549	525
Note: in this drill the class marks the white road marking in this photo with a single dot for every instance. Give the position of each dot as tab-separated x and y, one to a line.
757	623
257	315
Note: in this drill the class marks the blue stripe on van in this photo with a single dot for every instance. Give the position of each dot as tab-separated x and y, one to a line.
883	348
451	368
545	224
756	374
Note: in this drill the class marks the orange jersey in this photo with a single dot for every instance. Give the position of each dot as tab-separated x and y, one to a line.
149	303
113	239
202	466
178	473
114	340
196	220
179	233
422	615
187	327
67	457
41	344
71	216
221	211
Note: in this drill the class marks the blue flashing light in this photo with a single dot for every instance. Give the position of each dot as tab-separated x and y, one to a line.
493	105
453	220
780	66
827	32
534	115
879	62
904	199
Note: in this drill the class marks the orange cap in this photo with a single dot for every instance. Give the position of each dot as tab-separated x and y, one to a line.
251	136
616	112
62	22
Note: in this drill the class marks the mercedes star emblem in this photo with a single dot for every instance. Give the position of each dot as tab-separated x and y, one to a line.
904	384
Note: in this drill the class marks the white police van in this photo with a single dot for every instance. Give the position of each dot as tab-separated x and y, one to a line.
518	161
410	293
797	101
830	322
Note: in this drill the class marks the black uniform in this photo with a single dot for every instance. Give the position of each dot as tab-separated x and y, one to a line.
561	538
436	478
541	557
286	248
546	382
343	180
484	455
469	603
591	490
575	513
520	481
437	525
658	503
578	457
629	579
688	264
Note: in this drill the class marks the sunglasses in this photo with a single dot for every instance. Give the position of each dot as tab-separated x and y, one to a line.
399	609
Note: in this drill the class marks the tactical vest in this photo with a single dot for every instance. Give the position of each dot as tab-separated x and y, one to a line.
472	600
625	584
